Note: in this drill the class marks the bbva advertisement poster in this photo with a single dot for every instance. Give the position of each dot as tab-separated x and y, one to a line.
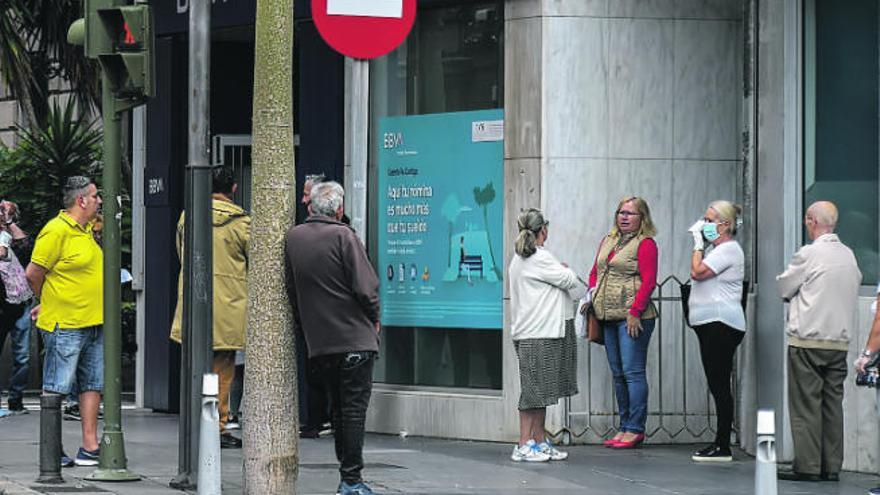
441	208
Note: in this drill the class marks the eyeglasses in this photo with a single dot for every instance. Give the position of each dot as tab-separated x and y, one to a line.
624	213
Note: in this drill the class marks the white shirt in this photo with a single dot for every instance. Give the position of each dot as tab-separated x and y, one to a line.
874	310
719	298
539	296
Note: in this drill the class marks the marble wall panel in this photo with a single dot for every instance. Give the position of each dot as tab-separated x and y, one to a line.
709	9
640	88
592	8
519	9
523	90
698	183
746	397
658	9
575	85
652	180
575	201
522	190
707	99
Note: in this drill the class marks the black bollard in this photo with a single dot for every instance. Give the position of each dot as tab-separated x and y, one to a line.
50	439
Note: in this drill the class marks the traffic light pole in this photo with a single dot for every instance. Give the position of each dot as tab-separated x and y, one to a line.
112	465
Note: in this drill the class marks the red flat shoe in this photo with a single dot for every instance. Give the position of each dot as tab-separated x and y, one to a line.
632	444
610	442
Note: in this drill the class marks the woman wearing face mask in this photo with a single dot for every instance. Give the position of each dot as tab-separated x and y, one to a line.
716	313
622	280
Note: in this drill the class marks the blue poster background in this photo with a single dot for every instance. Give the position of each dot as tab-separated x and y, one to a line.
441	209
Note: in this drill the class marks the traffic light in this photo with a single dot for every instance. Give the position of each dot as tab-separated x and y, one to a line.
129	66
120	35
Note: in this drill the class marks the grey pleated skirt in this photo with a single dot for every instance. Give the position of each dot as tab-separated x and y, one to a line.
547	369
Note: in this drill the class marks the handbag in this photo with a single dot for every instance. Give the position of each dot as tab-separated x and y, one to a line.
594	329
685	290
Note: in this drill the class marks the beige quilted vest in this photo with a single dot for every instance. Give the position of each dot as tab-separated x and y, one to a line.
618	280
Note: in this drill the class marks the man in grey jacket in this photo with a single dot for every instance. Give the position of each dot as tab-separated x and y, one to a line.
821	285
334	292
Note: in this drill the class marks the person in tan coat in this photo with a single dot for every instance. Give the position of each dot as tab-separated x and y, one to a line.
231	233
821	285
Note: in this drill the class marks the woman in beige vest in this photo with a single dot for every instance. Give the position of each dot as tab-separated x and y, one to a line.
622	280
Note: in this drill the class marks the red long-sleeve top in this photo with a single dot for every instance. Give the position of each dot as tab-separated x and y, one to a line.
647	257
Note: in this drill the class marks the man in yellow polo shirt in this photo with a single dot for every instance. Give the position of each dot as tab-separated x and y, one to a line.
66	274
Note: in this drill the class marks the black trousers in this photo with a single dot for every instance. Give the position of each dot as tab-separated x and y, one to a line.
314	399
718	343
349	378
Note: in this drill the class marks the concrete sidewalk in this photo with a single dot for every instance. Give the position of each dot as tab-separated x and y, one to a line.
410	466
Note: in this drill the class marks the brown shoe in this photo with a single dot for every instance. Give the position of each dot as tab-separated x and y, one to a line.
796	476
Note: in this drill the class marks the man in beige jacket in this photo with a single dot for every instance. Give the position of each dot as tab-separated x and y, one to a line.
821	285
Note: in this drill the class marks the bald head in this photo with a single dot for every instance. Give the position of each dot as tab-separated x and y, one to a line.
821	218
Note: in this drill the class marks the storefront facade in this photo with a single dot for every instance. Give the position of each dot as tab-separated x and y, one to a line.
769	104
681	103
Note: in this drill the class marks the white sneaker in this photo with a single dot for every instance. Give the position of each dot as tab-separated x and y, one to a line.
528	453
551	450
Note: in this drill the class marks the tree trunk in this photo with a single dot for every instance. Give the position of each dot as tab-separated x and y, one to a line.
270	409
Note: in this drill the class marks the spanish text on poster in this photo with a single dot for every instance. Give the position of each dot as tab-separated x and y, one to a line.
440	220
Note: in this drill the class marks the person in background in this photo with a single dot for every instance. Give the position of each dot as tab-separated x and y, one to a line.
314	398
544	340
231	236
716	313
821	285
869	354
15	307
622	280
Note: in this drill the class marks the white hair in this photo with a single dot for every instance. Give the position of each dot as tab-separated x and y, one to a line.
326	198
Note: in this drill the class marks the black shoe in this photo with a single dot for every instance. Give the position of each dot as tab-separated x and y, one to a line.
309	433
16	407
796	476
71	413
874	491
830	476
227	441
713	453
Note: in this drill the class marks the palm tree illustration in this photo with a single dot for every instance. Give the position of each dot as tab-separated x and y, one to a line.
483	197
450	210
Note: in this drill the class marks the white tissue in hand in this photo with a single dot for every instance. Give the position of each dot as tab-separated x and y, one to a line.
697	226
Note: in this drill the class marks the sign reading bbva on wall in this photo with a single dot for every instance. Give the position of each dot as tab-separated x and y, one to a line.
441	208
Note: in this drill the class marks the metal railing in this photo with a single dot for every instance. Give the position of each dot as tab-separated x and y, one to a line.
682	419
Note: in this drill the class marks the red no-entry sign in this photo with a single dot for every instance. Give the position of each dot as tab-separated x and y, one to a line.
364	29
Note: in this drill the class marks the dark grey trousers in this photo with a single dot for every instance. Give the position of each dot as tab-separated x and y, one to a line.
815	401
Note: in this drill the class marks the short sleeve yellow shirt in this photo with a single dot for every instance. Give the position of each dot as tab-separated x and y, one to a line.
73	291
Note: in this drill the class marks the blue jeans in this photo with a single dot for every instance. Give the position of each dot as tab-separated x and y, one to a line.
627	358
16	321
74	360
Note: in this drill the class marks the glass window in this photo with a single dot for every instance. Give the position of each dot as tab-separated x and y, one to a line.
842	119
452	61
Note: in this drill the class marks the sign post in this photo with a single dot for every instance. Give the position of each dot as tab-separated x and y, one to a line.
361	31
